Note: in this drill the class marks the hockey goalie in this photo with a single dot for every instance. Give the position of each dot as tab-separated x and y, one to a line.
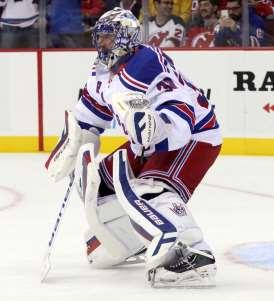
135	198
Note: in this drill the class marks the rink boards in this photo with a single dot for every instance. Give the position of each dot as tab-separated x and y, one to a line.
37	86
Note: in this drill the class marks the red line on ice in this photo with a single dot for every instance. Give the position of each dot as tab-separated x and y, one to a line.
16	197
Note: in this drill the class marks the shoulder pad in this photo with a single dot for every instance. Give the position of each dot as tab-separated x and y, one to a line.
147	63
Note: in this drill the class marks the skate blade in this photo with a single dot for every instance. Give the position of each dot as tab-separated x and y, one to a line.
198	279
131	260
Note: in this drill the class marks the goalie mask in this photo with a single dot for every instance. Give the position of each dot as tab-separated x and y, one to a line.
123	30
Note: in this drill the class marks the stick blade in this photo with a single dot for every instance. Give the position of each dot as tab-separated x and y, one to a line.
46	266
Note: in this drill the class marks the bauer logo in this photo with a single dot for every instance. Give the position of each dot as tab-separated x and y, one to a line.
148	212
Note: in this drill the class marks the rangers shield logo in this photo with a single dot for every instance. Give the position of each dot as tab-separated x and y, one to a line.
178	209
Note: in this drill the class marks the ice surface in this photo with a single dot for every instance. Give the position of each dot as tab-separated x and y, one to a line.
234	206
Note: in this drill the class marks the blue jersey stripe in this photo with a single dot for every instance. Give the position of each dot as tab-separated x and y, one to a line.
16	21
94	110
199	126
130	87
87	126
182	115
162	146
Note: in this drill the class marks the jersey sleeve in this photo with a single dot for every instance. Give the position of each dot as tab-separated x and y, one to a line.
91	114
151	73
178	121
182	107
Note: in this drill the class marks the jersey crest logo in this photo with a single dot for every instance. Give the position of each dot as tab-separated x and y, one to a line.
157	39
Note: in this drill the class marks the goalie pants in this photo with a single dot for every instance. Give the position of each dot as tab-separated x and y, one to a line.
182	169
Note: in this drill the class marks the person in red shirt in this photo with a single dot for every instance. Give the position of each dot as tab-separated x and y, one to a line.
263	8
200	30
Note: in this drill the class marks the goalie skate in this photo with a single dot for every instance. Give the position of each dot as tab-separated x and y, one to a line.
186	268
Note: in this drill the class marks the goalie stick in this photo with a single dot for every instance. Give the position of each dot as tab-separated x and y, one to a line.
46	264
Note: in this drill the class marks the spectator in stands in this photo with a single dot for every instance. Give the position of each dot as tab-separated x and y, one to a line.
91	11
65	25
230	28
19	24
200	30
165	29
133	5
181	8
265	9
222	4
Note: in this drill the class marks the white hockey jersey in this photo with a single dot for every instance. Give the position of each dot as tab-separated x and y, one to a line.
182	106
170	34
22	13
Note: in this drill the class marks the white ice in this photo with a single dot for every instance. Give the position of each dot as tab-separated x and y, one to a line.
234	205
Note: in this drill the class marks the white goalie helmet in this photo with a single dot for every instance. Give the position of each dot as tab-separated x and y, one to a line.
124	27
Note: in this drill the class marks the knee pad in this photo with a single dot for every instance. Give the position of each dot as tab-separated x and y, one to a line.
169	205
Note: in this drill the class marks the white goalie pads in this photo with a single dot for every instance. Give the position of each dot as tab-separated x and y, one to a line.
111	238
117	224
62	159
162	220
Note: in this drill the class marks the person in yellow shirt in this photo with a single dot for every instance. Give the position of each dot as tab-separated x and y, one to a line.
181	8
